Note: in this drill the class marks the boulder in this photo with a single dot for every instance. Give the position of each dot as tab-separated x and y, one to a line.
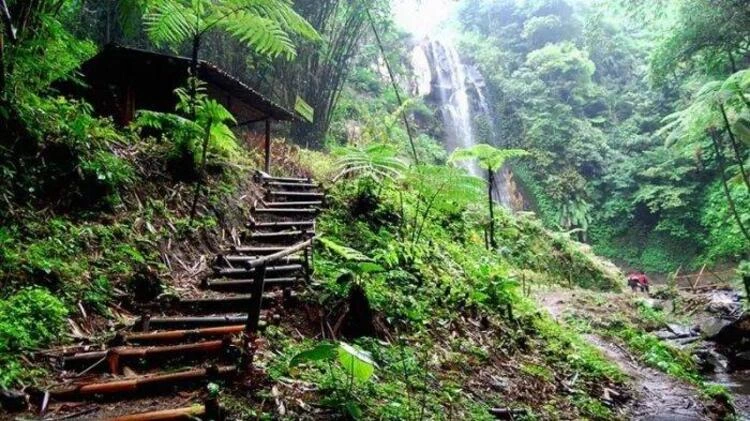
713	327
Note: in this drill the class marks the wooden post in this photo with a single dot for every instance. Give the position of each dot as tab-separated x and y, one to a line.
698	279
256	300
267	166
253	316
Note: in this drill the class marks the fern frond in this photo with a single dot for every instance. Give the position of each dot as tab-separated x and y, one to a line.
170	22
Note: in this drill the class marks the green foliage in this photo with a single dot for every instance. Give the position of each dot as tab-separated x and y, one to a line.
267	26
188	135
487	156
377	161
356	364
30	318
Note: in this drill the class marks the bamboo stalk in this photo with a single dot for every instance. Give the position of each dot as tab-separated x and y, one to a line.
178	335
139	384
286	252
179	414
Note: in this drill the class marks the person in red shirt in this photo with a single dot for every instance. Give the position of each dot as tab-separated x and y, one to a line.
643	281
634	281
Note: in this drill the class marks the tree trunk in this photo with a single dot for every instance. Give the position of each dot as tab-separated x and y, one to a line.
202	172
735	147
490	182
395	87
720	159
194	75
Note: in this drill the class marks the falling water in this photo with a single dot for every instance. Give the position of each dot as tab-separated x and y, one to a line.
455	86
450	75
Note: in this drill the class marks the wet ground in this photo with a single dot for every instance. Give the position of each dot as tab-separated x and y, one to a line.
657	396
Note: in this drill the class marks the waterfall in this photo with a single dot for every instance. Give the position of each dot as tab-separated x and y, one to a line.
450	77
456	86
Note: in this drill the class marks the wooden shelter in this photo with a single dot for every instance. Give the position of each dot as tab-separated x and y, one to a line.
120	80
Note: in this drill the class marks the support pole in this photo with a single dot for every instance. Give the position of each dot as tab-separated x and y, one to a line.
267	167
253	313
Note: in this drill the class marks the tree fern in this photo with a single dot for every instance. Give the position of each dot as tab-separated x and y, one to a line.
377	161
266	26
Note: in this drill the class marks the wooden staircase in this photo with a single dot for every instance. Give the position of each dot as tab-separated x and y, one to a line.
183	343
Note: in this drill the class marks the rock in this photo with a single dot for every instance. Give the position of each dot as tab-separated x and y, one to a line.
723	302
680	331
12	400
727	332
711	328
664	334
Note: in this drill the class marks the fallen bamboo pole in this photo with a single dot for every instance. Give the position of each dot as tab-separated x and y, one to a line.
179	414
286	252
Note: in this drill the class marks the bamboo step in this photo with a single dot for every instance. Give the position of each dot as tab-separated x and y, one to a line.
297	194
189	413
239	260
276	234
256	250
235	272
116	356
286	211
280	224
169	336
307	204
238	285
152	383
146	324
272	184
214	305
286	179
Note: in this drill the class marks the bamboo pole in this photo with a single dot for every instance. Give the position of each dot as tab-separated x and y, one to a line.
283	253
187	413
698	278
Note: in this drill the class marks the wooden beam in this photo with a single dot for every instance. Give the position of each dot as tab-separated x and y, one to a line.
267	167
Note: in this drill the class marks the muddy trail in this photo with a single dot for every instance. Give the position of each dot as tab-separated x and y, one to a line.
656	395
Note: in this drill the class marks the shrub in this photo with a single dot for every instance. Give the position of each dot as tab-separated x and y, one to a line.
31	318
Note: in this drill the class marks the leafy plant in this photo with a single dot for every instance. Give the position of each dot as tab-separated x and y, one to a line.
357	365
376	161
490	159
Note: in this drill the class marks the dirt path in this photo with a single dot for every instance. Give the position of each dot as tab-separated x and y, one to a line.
657	396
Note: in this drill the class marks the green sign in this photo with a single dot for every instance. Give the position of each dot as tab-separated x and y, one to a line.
304	109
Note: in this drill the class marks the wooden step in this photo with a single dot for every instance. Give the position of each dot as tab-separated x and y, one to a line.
308	204
277	184
238	285
286	179
253	224
171	336
286	211
241	272
220	304
256	250
152	383
116	356
190	413
146	324
295	194
293	234
239	260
